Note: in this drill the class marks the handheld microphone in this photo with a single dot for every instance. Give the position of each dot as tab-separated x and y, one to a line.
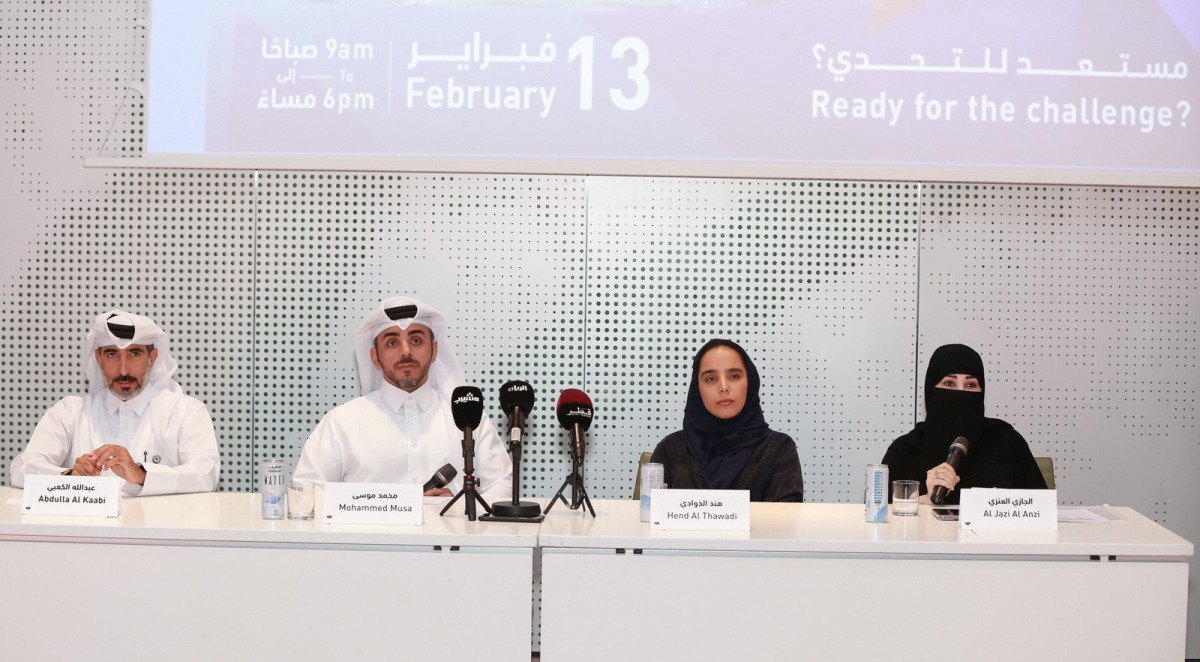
516	400
440	478
958	451
575	414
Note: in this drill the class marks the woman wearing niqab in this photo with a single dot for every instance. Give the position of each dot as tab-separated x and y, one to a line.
998	455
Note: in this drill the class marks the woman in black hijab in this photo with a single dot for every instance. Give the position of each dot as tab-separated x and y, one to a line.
998	455
725	443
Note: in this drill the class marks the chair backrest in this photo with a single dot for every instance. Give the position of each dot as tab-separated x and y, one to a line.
637	478
1047	466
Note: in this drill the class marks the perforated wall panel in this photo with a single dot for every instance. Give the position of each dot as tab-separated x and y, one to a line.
1083	301
174	246
501	257
801	274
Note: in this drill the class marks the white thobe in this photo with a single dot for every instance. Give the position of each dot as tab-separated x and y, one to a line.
392	436
170	434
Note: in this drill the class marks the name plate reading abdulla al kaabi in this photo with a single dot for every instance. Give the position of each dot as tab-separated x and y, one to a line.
82	496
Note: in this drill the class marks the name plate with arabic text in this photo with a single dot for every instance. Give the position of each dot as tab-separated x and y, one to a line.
373	503
83	496
991	509
700	510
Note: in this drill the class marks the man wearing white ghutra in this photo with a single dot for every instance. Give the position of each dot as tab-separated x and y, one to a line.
401	429
135	423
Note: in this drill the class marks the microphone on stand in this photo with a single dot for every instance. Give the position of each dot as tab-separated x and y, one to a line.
466	406
575	414
958	451
516	400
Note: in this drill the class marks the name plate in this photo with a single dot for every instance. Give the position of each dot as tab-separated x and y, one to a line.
84	496
700	510
373	503
988	509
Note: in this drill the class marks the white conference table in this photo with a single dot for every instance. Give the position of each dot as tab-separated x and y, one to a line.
204	577
816	582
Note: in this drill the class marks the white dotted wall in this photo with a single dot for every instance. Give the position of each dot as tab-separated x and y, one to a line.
1082	301
154	243
802	274
500	256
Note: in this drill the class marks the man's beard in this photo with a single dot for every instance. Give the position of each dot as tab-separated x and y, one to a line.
125	396
408	384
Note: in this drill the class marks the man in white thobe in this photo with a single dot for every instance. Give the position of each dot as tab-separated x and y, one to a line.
401	429
135	422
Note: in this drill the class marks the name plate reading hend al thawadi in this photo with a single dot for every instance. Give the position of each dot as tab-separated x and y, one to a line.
82	496
700	510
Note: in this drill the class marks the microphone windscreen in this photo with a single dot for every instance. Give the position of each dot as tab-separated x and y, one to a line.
574	406
446	474
441	477
466	404
516	394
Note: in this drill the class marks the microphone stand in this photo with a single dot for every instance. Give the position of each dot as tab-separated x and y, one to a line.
470	482
517	511
579	495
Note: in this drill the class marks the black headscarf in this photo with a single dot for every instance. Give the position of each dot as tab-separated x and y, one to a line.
951	413
723	447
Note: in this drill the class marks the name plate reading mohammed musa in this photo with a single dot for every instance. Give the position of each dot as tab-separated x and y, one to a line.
700	510
84	496
373	503
989	509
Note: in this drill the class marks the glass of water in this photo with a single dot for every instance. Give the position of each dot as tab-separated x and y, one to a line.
301	499
905	494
